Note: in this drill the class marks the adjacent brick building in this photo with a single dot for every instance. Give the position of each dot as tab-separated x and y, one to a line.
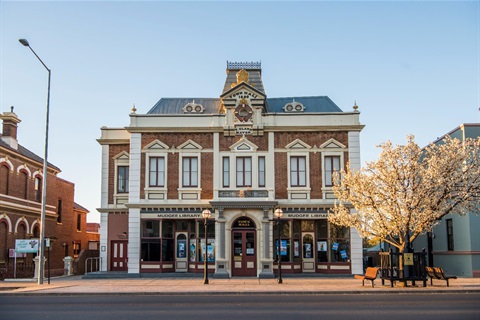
242	156
21	174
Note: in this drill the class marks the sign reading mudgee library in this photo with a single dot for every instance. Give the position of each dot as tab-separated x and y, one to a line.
27	245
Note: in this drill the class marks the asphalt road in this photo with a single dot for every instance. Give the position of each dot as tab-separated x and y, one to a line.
247	307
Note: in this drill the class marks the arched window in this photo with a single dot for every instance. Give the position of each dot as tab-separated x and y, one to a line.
22	231
4	176
23	184
36	232
38	189
3	242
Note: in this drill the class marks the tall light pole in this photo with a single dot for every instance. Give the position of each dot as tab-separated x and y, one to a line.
279	213
205	214
41	267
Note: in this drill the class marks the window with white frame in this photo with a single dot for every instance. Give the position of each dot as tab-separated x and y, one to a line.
122	179
244	171
226	172
298	171
190	172
332	164
261	171
157	172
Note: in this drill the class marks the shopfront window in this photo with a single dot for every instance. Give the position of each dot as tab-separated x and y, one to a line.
210	248
157	240
285	241
333	242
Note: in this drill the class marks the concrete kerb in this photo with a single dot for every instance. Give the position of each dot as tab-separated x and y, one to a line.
233	286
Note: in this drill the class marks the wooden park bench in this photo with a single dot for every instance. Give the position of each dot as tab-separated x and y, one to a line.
439	274
370	274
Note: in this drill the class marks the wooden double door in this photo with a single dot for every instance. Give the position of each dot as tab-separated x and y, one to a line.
244	253
119	259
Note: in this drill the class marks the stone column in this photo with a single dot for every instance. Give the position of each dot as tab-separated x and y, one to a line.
221	261
68	266
266	259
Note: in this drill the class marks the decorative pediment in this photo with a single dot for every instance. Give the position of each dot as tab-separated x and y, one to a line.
243	145
190	145
193	107
122	156
294	106
156	145
333	144
297	145
243	90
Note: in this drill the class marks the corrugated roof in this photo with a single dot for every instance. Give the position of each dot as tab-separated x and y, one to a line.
79	207
27	153
175	105
315	104
311	104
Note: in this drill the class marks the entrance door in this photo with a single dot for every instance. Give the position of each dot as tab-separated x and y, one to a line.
244	253
181	252
308	257
118	259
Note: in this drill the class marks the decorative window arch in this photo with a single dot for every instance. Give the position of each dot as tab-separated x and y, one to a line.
35	224
26	169
6	219
7	162
21	221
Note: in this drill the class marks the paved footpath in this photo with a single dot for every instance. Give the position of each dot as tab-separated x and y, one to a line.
74	285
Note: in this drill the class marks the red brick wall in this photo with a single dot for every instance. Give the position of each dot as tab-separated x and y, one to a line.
57	188
114	150
260	141
176	139
282	139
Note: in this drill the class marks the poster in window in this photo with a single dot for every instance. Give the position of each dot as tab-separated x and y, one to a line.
210	253
192	250
296	249
322	246
283	247
335	246
182	252
343	253
308	250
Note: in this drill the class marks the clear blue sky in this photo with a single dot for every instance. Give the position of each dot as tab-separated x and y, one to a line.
413	67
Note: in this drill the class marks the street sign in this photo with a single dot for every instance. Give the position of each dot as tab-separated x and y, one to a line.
26	245
47	242
408	259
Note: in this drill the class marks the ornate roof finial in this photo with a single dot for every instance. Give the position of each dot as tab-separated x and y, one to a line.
134	109
242	76
355	107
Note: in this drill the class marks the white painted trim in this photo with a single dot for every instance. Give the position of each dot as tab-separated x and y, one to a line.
8	162
354	150
18	223
104	240
9	222
356	251
104	177
134	245
134	167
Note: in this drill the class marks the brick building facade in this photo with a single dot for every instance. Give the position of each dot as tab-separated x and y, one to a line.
21	177
242	156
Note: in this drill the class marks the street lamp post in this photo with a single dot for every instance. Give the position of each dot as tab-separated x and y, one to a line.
205	214
279	213
41	267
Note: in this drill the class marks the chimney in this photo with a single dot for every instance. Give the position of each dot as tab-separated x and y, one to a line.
9	133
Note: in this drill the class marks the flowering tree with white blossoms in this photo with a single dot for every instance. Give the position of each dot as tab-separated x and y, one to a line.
409	189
